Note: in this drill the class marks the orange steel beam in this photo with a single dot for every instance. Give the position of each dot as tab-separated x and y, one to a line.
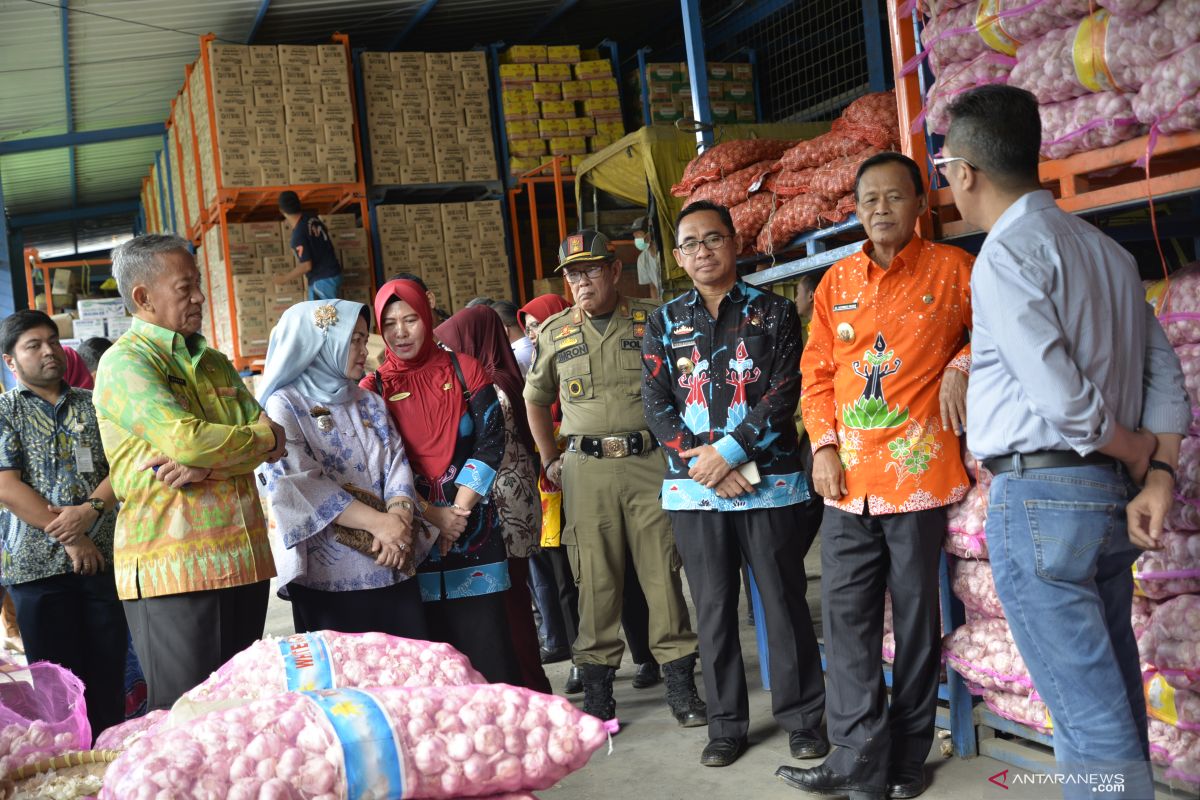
559	202
908	97
535	234
516	235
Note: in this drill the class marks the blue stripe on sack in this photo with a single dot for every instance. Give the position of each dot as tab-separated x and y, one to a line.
306	662
374	768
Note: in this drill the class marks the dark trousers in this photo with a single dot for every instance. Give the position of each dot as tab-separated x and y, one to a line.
544	589
75	621
181	639
396	610
519	609
635	615
861	555
478	628
554	563
774	542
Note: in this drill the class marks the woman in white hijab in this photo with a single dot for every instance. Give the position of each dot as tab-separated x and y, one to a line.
341	501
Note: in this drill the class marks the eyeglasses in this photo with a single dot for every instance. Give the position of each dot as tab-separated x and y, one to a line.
713	242
938	163
593	272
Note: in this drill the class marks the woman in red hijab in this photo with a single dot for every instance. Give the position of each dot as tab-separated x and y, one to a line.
479	332
77	374
453	431
538	310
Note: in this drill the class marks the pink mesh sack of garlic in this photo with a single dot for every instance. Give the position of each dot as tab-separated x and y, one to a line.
42	713
960	34
1143	610
1172	644
1096	120
984	653
985	68
1169	743
1178	707
966	521
1189	361
119	737
974	585
1020	707
1171	571
346	744
329	660
1179	312
1170	97
1187	474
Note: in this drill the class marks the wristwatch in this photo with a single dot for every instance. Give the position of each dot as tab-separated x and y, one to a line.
422	506
1165	467
97	504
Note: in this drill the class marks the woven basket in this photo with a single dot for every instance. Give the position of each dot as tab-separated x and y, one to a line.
69	765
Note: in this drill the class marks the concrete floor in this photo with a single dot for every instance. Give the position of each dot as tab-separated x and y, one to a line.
652	758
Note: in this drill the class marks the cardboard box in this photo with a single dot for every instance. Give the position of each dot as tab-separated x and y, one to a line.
116	327
230	116
581	126
268	95
331	54
746	112
554	72
665	112
415	137
335	154
234	138
739	91
718	71
425	172
525	54
376	62
563	54
524	129
296	55
468	60
518	165
328	74
478	117
563	109
300	114
262	232
227	75
232	96
296	94
547	91
517	73
302	153
602	107
592	70
445	117
221	54
576	90
306	172
416	117
272	155
294	74
448	81
743	72
382	118
89	328
568	146
724	112
521	111
418	98
336	94
450	170
666	71
276	175
527	148
265	75
549	128
480	170
660	91
334	114
453	214
276	265
614	129
483	210
604	87
256	117
409	61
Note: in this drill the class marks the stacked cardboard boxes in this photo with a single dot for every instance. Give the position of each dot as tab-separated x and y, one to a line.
280	116
182	140
557	102
730	92
104	317
429	117
350	243
458	249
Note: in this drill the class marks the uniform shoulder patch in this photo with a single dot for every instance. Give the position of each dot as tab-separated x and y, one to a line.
572	352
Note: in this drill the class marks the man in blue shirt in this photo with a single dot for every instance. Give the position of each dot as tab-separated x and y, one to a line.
720	383
57	519
314	251
1071	419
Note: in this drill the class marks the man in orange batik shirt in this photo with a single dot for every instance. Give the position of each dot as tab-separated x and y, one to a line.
884	402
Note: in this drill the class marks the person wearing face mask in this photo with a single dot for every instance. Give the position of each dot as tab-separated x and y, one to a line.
449	417
649	266
346	469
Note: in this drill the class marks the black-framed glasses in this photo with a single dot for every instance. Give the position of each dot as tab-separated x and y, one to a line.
714	242
939	163
593	272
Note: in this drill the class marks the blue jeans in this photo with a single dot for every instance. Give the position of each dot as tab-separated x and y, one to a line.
1061	557
545	593
325	288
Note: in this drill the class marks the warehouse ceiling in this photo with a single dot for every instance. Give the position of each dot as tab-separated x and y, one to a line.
78	66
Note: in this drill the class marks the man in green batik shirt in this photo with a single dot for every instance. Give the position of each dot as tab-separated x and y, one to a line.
183	436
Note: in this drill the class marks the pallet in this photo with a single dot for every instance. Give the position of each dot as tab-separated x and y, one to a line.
1025	748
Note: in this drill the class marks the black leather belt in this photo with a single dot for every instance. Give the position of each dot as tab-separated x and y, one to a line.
1046	459
618	445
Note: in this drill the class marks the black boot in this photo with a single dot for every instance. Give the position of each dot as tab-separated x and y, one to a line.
646	675
685	703
598	690
574	682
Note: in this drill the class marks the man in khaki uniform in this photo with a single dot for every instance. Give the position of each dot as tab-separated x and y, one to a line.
590	358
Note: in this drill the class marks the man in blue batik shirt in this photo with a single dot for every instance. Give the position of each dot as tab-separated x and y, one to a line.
721	381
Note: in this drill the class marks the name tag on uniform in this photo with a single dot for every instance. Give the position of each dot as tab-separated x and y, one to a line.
845	307
572	352
631	344
83	459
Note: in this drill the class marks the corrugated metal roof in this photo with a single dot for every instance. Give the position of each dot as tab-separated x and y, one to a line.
127	61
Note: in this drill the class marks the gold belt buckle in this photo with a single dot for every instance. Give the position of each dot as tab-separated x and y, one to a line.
614	446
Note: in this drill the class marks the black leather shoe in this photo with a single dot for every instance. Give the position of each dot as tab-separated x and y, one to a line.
574	682
647	675
808	744
906	784
722	751
554	656
823	780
